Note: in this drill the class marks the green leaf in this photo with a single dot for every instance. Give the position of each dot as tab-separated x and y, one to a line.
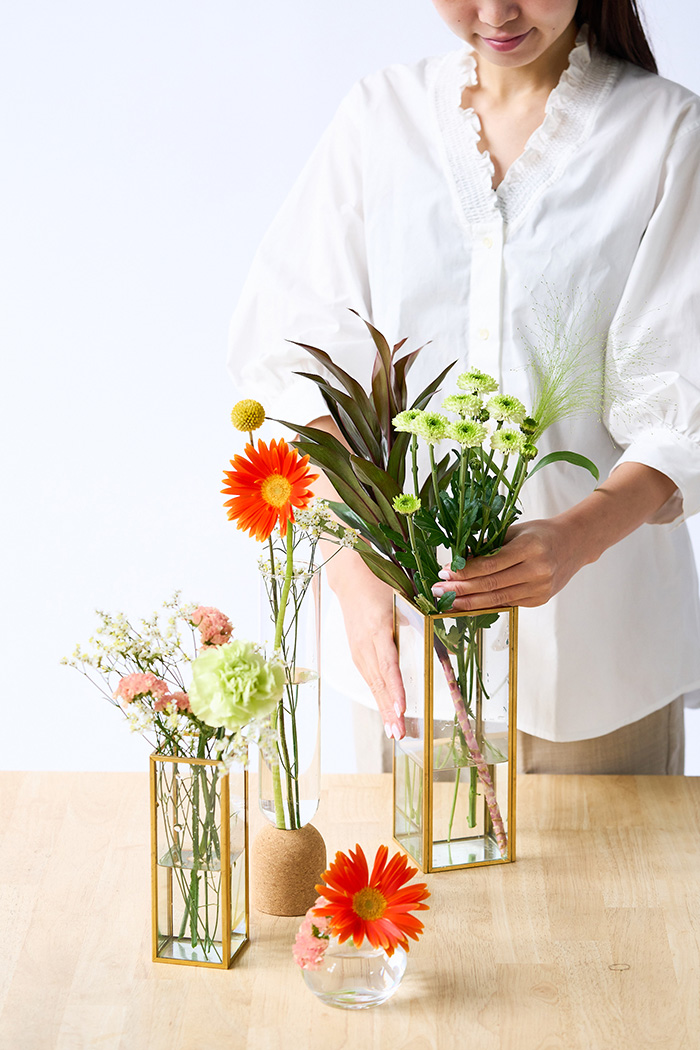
383	486
389	573
446	601
354	389
458	562
424	605
425	395
367	444
567	457
370	532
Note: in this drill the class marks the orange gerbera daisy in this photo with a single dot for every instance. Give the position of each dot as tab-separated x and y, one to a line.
266	485
374	906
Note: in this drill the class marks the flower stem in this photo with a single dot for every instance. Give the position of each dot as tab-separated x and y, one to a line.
471	741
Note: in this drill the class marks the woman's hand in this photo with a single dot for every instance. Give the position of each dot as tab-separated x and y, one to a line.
540	557
536	561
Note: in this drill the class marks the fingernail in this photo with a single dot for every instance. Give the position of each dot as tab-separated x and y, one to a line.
397	708
444	574
438	590
387	730
396	732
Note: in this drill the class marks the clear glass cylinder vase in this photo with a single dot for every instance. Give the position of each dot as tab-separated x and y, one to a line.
454	771
356	978
290	773
199	861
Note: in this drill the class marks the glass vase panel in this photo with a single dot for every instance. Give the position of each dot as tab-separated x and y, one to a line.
356	978
454	771
199	861
290	778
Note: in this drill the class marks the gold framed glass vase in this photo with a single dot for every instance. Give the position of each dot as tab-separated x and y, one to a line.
199	861
454	771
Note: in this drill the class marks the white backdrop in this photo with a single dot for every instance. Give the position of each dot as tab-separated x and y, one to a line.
146	147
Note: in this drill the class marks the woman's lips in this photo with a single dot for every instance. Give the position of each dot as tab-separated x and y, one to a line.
505	44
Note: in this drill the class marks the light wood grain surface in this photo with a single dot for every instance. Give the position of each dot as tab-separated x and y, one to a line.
590	941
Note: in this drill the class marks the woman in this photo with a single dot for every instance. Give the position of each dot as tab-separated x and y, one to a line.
542	176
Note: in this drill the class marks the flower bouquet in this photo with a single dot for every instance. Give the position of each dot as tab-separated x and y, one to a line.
461	509
200	733
271	498
353	942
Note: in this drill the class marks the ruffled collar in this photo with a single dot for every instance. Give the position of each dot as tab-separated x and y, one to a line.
569	114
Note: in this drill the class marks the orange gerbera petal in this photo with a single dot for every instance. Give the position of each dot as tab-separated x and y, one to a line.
375	906
266	484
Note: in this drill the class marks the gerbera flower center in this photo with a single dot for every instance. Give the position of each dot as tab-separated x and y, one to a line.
369	903
276	490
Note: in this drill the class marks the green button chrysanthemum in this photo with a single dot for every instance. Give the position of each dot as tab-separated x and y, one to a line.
477	382
467	432
464	404
431	426
406	421
529	426
528	451
506	408
406	504
507	441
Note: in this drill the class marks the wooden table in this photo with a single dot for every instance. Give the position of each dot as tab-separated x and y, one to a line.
590	940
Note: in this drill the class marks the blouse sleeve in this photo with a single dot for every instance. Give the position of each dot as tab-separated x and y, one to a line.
309	271
653	354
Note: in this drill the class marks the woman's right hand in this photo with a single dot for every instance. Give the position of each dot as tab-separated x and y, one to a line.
367	606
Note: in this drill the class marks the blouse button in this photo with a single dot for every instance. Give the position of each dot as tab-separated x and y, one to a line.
484	333
487	242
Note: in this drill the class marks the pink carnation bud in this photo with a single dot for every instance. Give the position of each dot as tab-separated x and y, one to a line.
133	686
214	627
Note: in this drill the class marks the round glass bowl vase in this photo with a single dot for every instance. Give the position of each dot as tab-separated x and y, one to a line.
356	978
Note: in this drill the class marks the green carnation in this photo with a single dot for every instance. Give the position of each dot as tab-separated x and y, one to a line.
477	382
232	684
406	504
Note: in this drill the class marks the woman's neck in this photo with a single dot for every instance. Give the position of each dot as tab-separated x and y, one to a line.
503	84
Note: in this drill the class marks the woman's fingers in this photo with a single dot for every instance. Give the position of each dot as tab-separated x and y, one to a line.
377	661
534	564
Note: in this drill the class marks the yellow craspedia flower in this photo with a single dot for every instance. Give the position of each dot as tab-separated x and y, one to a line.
247	414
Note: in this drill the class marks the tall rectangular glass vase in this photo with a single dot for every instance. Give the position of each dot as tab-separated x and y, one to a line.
454	771
199	861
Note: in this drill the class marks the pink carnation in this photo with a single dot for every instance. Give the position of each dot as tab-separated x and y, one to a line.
214	627
312	939
135	685
179	700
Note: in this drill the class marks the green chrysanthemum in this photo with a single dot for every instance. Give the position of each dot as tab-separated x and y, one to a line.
528	451
431	426
406	504
507	441
467	432
405	421
464	404
477	382
247	414
529	426
507	408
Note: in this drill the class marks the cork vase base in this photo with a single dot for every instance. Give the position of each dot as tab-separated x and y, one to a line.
286	867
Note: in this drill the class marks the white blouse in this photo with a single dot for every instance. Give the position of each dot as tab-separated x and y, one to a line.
595	230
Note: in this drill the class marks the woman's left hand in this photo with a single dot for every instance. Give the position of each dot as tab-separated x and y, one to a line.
536	561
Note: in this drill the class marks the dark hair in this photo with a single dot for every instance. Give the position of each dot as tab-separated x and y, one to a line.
616	28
